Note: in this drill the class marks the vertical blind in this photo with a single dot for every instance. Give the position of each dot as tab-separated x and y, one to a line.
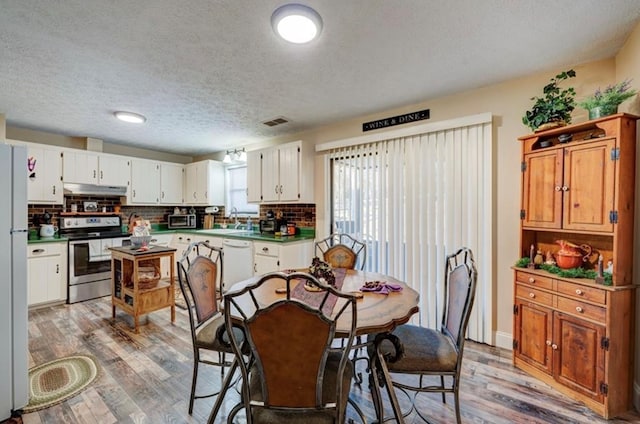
415	199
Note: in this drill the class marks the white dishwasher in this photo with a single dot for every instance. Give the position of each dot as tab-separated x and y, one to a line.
238	261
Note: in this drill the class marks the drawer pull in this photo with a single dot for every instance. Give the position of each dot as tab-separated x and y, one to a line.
554	346
265	249
37	251
579	309
532	295
532	280
548	342
579	292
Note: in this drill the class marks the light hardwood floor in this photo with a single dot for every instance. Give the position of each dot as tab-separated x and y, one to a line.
146	377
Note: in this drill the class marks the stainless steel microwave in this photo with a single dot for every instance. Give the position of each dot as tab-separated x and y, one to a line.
182	221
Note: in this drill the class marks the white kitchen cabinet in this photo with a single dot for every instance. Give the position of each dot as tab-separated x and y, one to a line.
84	167
269	257
285	173
80	167
171	183
44	172
114	170
254	176
163	240
145	182
46	273
204	183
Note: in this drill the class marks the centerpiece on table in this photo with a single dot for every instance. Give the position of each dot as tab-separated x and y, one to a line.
322	271
605	102
555	107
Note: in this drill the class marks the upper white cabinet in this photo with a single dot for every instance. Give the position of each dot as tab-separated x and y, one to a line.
283	174
114	170
84	167
171	183
254	176
44	172
145	182
204	183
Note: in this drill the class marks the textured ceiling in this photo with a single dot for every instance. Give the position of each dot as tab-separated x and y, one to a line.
207	73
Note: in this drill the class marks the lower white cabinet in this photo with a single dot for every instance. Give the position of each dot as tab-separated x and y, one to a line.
163	240
269	257
46	273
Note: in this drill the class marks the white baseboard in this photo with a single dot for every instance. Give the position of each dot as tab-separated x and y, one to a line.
504	340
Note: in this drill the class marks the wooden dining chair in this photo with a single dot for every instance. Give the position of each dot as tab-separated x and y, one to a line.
198	272
342	251
427	352
294	374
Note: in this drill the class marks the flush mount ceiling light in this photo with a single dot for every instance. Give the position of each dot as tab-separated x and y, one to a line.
235	155
130	117
296	23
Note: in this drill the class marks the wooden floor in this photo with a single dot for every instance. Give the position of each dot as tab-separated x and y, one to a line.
146	378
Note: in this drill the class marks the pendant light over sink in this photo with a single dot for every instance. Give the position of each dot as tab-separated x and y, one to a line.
296	23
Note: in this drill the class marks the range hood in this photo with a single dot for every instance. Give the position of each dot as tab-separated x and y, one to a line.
93	189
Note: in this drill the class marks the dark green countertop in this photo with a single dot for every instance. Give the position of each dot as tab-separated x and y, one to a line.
48	240
304	234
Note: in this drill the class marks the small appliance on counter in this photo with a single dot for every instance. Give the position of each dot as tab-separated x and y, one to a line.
272	225
187	221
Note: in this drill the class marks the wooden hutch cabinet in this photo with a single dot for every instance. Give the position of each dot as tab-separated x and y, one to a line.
577	334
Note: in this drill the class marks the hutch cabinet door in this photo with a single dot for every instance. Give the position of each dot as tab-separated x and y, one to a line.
533	333
542	189
578	355
589	186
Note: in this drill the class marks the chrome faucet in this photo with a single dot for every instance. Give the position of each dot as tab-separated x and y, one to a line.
236	224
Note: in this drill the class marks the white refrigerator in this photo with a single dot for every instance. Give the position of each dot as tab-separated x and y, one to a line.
14	377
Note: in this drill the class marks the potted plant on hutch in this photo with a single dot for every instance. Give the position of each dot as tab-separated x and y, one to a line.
555	107
605	102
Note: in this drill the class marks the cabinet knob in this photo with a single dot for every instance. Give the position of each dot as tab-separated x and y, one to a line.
558	188
532	280
565	188
554	346
548	342
532	295
579	309
579	292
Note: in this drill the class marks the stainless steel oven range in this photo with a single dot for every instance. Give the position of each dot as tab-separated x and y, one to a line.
90	237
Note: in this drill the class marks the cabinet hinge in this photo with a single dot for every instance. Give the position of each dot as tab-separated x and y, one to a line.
613	217
515	309
604	343
604	388
615	153
523	166
523	213
61	154
515	344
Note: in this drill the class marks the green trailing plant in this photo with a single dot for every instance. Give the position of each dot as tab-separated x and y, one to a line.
610	97
556	104
567	273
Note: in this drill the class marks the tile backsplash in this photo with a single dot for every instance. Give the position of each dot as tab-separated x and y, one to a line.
303	215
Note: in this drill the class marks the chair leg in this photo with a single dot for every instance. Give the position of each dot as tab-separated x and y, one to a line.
456	400
223	391
194	379
444	398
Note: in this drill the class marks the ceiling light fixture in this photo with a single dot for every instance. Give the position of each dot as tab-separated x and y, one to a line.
235	155
133	118
296	23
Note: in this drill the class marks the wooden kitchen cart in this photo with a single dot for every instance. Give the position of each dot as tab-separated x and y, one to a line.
577	334
127	289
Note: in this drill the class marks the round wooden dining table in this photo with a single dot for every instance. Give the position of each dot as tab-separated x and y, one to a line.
376	312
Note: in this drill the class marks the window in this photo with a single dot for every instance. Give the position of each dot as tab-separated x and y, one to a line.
237	191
